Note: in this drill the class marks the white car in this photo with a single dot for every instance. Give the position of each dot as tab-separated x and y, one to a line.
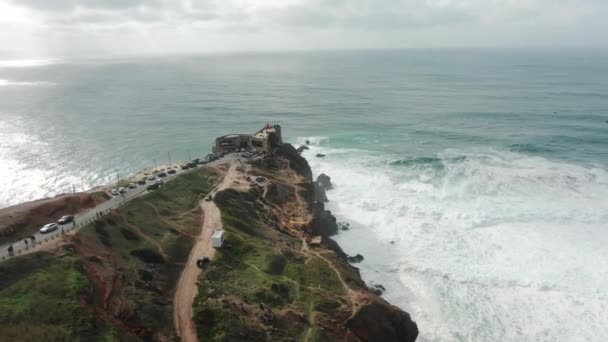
132	186
49	227
122	190
151	177
114	192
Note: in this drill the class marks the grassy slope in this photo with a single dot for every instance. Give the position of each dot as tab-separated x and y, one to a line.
39	300
41	293
254	266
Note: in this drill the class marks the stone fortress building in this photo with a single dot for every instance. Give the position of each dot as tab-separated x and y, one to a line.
265	140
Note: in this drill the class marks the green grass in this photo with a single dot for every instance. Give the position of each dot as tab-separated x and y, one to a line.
257	265
44	304
145	242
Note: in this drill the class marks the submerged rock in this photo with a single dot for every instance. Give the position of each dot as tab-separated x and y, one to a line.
324	181
302	148
355	259
343	225
320	155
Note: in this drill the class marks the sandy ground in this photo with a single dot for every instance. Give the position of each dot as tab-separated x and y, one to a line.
186	288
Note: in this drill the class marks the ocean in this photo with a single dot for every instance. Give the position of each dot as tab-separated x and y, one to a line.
475	182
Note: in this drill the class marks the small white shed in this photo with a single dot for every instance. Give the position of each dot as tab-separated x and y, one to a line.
217	239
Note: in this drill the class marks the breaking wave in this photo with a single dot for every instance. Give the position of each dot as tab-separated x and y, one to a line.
478	244
7	83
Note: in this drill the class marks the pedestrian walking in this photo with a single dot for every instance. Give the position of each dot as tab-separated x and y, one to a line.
26	242
33	238
10	250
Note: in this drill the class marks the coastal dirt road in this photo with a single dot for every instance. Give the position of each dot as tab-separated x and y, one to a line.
186	288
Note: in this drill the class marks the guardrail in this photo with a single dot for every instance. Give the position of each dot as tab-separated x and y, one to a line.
64	231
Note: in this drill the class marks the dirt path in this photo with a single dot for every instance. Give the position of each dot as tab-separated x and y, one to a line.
186	288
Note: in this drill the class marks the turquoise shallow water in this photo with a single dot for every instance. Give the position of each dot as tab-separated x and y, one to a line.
487	169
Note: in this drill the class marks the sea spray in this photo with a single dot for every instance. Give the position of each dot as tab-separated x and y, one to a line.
477	244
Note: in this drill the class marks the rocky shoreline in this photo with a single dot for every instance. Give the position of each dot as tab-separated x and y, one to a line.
377	320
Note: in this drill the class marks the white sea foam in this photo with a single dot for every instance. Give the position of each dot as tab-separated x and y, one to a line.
478	245
8	83
27	63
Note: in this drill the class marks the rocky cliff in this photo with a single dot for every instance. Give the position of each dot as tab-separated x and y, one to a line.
280	276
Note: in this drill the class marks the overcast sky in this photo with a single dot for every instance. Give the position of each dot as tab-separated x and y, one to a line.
40	28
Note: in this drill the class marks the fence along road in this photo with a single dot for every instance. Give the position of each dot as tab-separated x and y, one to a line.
80	220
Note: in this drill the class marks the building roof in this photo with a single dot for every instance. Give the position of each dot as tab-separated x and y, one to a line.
217	233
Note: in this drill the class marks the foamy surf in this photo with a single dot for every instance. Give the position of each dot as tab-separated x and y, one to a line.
477	244
8	83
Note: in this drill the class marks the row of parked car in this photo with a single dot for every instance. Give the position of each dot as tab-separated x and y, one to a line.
49	227
157	176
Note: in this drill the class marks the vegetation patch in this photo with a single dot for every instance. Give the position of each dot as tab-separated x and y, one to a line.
44	303
266	276
127	266
148	255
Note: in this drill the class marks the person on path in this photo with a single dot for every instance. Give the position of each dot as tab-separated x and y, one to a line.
10	250
26	242
62	232
33	238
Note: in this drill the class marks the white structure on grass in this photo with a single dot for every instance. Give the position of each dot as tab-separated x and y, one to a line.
217	239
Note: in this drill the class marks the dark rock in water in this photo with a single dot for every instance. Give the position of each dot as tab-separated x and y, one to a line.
380	321
320	155
319	191
307	142
325	181
343	225
392	242
376	289
323	222
302	148
355	259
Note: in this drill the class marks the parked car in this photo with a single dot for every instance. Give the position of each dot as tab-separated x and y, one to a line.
49	227
260	179
253	184
114	192
66	219
159	182
141	182
151	177
171	172
162	174
191	165
202	262
185	167
132	186
208	198
153	187
122	190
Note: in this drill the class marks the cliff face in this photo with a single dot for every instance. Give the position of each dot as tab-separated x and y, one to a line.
279	275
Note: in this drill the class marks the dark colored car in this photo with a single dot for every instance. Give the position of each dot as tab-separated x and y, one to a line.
66	219
185	167
141	181
191	165
153	187
171	172
162	174
202	262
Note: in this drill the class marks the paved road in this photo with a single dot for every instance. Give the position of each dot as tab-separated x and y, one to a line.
81	219
20	247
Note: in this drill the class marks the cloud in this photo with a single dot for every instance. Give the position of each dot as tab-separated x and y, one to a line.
74	26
